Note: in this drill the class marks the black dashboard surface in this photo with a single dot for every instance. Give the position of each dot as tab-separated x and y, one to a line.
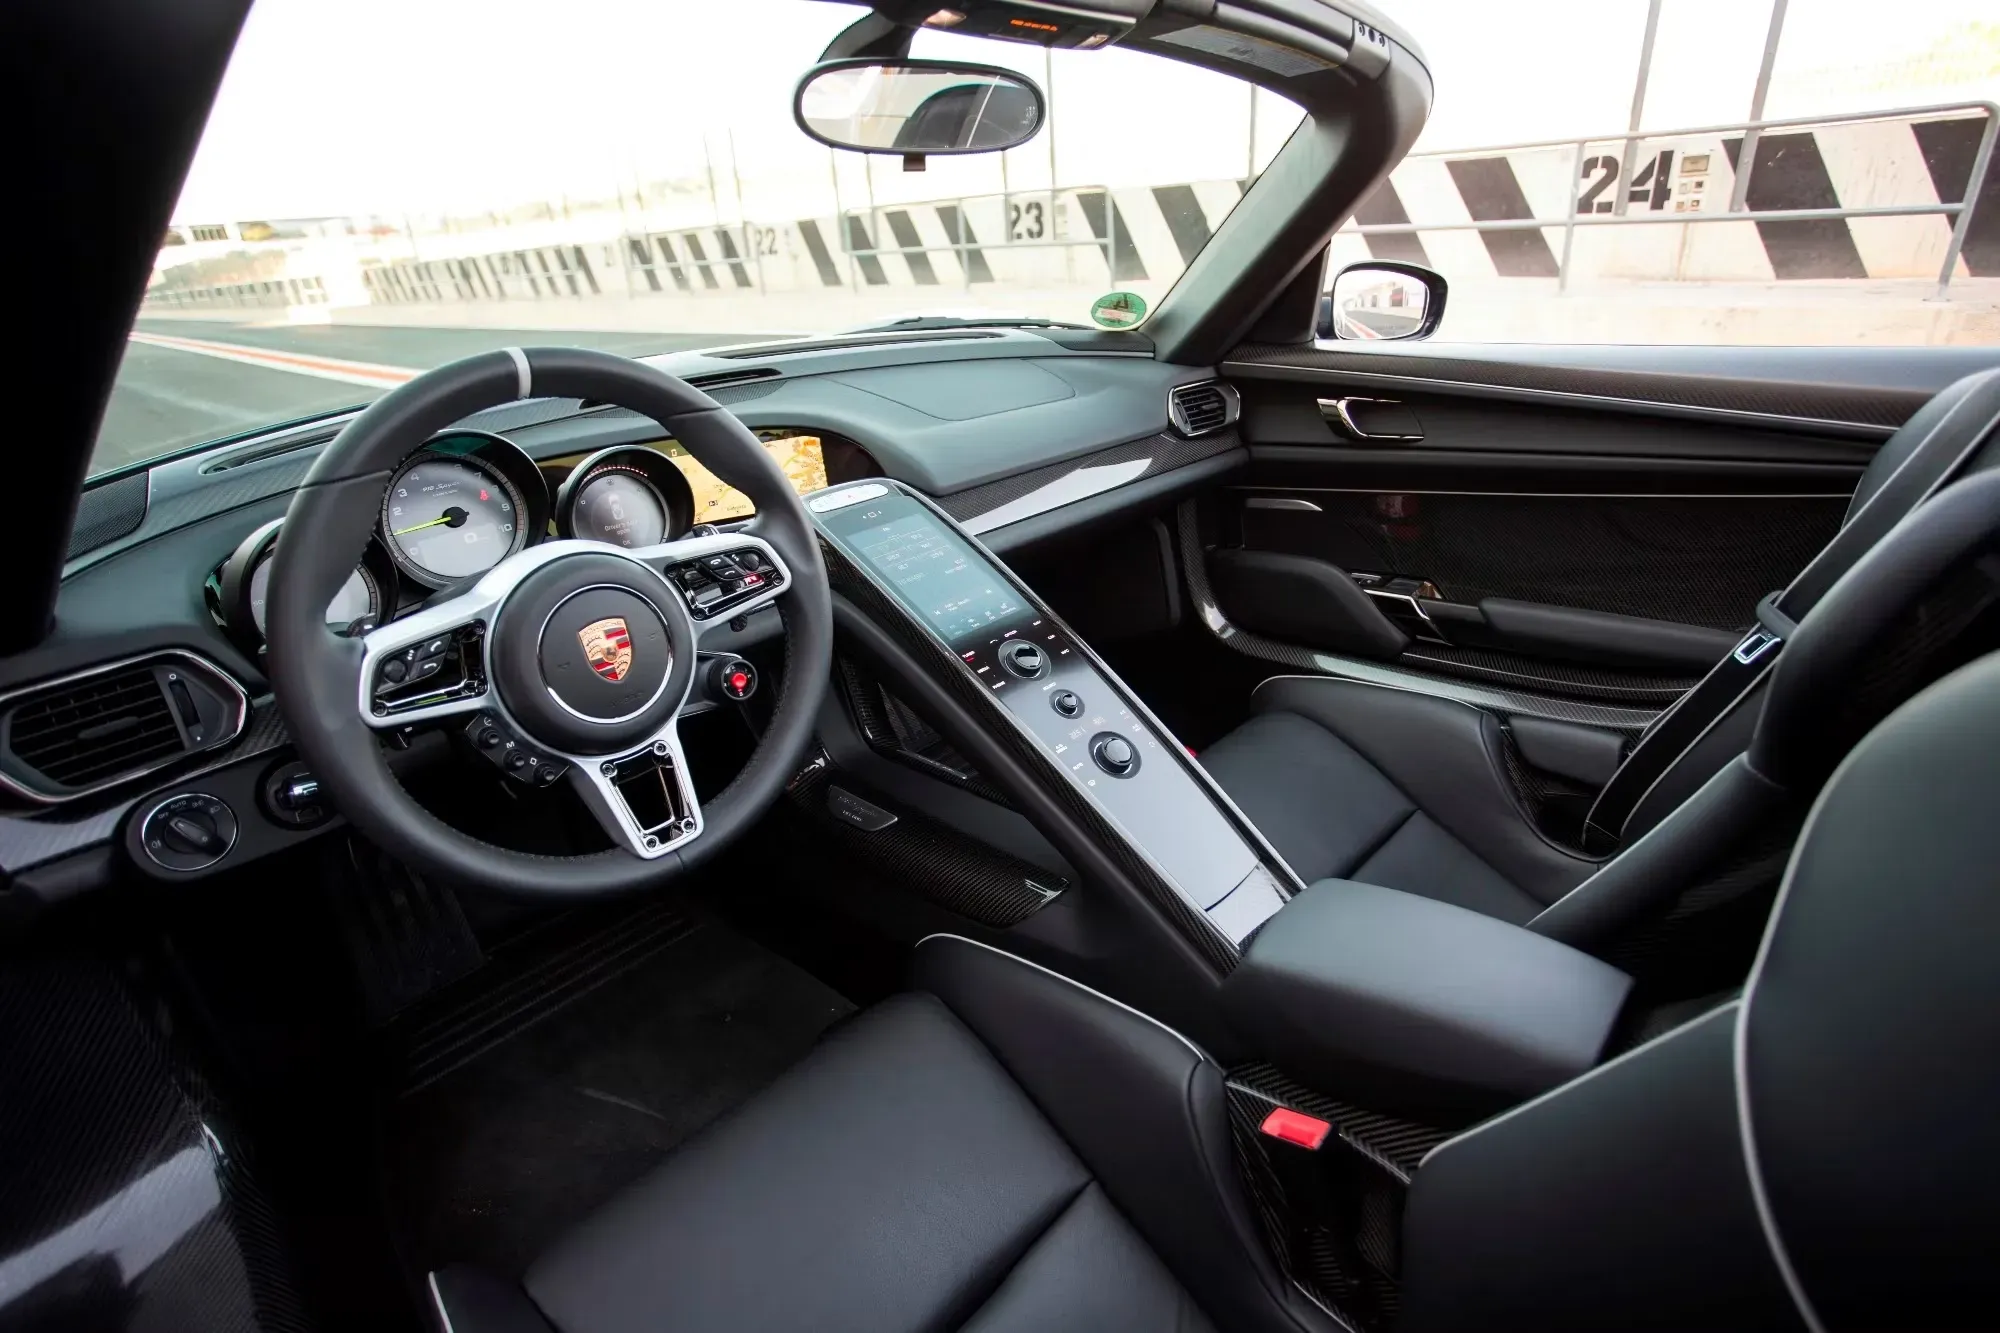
985	415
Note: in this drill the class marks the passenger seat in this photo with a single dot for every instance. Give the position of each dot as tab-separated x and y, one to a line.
1413	791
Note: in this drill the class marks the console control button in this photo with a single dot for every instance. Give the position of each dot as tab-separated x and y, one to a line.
1114	754
1024	659
1067	703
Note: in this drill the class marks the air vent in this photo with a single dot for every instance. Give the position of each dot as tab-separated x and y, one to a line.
1202	409
722	379
88	731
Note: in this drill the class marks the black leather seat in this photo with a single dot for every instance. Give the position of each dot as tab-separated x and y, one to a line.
1350	780
999	1149
1004	1149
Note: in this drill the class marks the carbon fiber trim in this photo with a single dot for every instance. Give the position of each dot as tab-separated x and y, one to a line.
1693	560
1333	1219
1391	1142
128	1204
1164	452
857	588
1313	662
891	728
941	864
1879	409
26	842
107	512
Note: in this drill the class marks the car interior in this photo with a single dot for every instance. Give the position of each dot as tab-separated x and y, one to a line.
1221	824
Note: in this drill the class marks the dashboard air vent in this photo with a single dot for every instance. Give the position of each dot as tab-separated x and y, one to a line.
95	729
100	727
1202	409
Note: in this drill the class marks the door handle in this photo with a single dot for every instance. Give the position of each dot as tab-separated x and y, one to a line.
1343	409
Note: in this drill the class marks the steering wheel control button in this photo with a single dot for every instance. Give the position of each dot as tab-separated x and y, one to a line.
1067	703
851	809
511	755
712	584
1024	659
395	671
732	678
189	832
1114	754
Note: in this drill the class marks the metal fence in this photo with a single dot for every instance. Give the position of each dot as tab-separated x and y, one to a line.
1960	211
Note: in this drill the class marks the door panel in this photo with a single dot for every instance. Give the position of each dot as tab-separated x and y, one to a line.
1694	560
1593	530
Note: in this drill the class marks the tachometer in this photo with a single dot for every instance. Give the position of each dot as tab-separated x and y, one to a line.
628	495
620	507
449	518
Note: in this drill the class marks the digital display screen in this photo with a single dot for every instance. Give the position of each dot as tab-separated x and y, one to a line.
797	456
933	572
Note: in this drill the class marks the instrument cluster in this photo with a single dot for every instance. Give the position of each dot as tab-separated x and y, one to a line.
468	499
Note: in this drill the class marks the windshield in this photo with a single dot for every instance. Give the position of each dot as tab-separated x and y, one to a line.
384	187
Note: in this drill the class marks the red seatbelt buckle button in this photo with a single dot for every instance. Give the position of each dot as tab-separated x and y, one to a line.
1301	1130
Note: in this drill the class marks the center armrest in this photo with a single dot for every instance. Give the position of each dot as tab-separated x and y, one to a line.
1404	1002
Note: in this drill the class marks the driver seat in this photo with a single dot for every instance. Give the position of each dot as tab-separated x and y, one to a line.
998	1149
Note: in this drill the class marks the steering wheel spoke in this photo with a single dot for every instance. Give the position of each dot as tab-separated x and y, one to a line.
721	576
644	799
429	665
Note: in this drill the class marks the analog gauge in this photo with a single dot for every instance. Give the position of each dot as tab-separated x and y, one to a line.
618	505
357	600
449	518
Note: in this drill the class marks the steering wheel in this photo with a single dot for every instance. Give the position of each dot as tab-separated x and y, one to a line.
572	659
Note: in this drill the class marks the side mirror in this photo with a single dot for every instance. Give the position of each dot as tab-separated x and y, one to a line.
916	108
1382	300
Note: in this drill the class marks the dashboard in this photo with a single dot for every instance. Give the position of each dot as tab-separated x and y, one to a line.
468	499
1026	438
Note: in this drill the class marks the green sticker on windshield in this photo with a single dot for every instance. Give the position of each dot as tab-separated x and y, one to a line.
1119	310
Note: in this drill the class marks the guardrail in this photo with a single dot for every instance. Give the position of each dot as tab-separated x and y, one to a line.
262	295
1960	211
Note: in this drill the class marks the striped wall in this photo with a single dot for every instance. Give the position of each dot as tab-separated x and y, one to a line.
1098	239
1874	164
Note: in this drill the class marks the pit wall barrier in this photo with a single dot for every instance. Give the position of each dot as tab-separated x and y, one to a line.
1899	195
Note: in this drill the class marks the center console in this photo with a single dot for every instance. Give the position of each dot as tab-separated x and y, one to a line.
1047	686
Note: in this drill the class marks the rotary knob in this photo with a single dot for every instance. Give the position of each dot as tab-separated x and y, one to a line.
1024	659
190	832
1114	754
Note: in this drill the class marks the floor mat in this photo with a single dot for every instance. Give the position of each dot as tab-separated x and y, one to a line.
570	1079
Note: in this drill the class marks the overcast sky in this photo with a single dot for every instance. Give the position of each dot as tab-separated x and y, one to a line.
385	106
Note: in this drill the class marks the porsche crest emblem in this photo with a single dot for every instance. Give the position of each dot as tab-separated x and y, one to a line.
608	645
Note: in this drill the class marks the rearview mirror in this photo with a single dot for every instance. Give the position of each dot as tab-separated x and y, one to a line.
917	107
1383	300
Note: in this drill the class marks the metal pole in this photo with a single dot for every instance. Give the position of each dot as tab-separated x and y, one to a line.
1569	224
743	213
714	195
1049	96
1975	181
840	215
1746	158
1627	157
1250	148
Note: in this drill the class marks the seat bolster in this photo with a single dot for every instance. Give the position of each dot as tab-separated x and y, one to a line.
1446	757
1143	1108
465	1299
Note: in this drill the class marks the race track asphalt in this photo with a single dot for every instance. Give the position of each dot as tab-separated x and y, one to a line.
167	398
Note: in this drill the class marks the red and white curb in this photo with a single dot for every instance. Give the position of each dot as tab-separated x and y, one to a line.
297	363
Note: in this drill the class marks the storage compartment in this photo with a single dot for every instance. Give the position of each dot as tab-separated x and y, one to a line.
1403	1003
